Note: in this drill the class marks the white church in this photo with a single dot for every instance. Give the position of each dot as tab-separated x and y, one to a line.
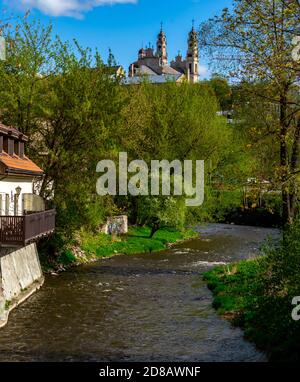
154	65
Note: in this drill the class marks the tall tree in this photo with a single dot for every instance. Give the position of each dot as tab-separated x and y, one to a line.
255	44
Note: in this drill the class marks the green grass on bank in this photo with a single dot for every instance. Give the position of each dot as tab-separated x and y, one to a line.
88	246
233	286
136	241
257	296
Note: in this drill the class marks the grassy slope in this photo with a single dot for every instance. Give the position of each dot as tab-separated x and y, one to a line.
233	285
99	245
252	296
136	241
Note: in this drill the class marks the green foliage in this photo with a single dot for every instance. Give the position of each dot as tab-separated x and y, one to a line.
159	212
7	304
160	117
256	42
66	258
222	90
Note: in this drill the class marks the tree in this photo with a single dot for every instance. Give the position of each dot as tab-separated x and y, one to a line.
254	43
161	212
222	91
60	95
180	122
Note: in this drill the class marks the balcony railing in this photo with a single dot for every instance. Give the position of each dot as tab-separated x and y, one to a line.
22	230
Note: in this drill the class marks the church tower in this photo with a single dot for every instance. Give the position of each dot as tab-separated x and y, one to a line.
192	59
161	46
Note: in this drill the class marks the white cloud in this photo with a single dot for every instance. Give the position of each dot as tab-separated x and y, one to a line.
71	8
204	71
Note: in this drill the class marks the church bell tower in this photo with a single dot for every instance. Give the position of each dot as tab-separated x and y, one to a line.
161	47
192	59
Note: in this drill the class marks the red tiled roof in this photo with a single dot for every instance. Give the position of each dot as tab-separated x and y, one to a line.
16	164
13	163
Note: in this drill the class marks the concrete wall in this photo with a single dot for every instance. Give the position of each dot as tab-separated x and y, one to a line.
20	276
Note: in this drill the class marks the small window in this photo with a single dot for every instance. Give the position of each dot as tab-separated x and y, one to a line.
10	150
21	150
16	148
5	144
7	203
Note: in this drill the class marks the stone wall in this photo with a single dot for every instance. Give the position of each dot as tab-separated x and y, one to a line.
20	276
116	225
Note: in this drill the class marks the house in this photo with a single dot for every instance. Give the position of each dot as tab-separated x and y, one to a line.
23	215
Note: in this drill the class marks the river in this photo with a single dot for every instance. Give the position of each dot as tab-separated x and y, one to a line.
146	307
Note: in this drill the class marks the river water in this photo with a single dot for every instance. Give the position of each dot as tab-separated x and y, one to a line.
148	307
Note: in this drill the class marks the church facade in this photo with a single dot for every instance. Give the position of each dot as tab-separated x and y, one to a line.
154	65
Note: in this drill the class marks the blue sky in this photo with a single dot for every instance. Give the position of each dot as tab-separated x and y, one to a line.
122	25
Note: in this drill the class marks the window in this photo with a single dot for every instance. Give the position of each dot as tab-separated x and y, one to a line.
5	144
10	144
21	149
16	147
7	204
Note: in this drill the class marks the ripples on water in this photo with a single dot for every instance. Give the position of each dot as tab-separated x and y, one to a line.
150	307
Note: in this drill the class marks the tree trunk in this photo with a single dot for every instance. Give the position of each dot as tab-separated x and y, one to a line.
285	187
155	227
134	211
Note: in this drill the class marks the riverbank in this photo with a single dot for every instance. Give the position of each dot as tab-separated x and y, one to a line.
90	247
257	295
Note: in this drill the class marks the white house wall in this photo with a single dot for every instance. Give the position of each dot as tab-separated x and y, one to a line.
8	187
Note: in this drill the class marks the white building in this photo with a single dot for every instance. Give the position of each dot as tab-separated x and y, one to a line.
17	173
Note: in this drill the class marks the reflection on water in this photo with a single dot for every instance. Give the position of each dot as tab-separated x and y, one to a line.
151	307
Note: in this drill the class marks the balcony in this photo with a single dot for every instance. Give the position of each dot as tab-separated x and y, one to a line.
22	230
